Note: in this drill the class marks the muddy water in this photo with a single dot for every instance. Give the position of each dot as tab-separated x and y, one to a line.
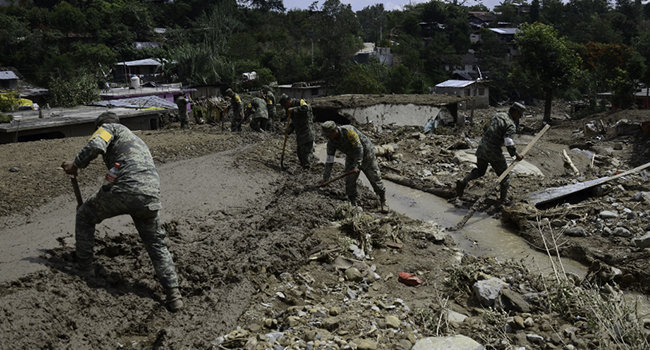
481	236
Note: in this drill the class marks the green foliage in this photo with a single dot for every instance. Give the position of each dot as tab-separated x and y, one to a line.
546	60
197	64
8	101
359	79
5	118
73	91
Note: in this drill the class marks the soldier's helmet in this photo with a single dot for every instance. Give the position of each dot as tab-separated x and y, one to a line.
105	118
266	88
229	92
284	99
328	127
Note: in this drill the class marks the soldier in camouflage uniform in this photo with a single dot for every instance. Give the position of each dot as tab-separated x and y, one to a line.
181	103
499	131
237	110
256	110
270	105
359	156
302	121
135	191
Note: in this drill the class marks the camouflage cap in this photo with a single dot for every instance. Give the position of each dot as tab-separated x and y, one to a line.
105	118
328	127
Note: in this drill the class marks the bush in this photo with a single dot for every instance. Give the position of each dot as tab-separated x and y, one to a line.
74	91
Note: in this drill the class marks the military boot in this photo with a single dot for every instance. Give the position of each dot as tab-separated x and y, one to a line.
85	267
460	187
503	195
383	207
174	299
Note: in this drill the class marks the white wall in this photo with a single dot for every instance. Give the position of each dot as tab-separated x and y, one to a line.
408	114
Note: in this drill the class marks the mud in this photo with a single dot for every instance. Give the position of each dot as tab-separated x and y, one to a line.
247	237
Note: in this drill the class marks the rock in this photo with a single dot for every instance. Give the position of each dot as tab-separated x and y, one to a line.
511	300
519	321
353	274
606	214
456	342
455	317
392	321
535	338
622	232
335	311
365	344
576	231
14	169
641	197
487	291
331	323
643	241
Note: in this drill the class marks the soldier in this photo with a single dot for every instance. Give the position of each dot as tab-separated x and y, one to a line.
359	156
302	122
270	105
237	110
181	102
258	113
499	131
133	188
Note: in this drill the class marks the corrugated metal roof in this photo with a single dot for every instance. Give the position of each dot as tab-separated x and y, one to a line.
456	83
7	75
142	62
505	31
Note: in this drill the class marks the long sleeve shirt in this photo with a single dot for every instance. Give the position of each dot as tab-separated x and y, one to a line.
352	143
137	173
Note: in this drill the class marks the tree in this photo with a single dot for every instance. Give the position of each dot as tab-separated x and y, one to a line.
547	60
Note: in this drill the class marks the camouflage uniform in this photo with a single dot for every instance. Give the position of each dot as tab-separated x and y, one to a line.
260	116
181	102
136	192
302	121
498	131
359	153
237	112
270	107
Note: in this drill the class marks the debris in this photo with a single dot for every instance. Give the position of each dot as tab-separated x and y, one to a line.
569	163
409	279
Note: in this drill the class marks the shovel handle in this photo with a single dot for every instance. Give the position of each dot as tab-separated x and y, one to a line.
77	192
337	178
284	144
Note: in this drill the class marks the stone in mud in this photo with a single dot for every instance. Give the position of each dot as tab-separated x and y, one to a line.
456	342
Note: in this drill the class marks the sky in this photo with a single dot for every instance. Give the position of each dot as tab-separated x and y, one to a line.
389	5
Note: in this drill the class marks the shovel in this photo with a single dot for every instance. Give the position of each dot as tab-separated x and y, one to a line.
313	187
284	144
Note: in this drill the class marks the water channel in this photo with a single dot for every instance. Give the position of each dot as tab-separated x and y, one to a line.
482	235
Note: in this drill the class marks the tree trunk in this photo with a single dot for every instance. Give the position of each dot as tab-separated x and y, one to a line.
548	98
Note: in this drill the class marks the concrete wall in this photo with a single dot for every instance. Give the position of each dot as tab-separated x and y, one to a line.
407	114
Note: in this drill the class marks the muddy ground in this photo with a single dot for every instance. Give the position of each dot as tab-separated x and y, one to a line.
265	261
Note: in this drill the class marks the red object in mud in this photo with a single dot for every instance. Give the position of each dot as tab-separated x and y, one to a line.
409	279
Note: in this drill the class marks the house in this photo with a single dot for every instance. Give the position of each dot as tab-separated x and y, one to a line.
506	35
481	19
468	69
477	90
303	90
370	50
8	80
147	69
168	92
